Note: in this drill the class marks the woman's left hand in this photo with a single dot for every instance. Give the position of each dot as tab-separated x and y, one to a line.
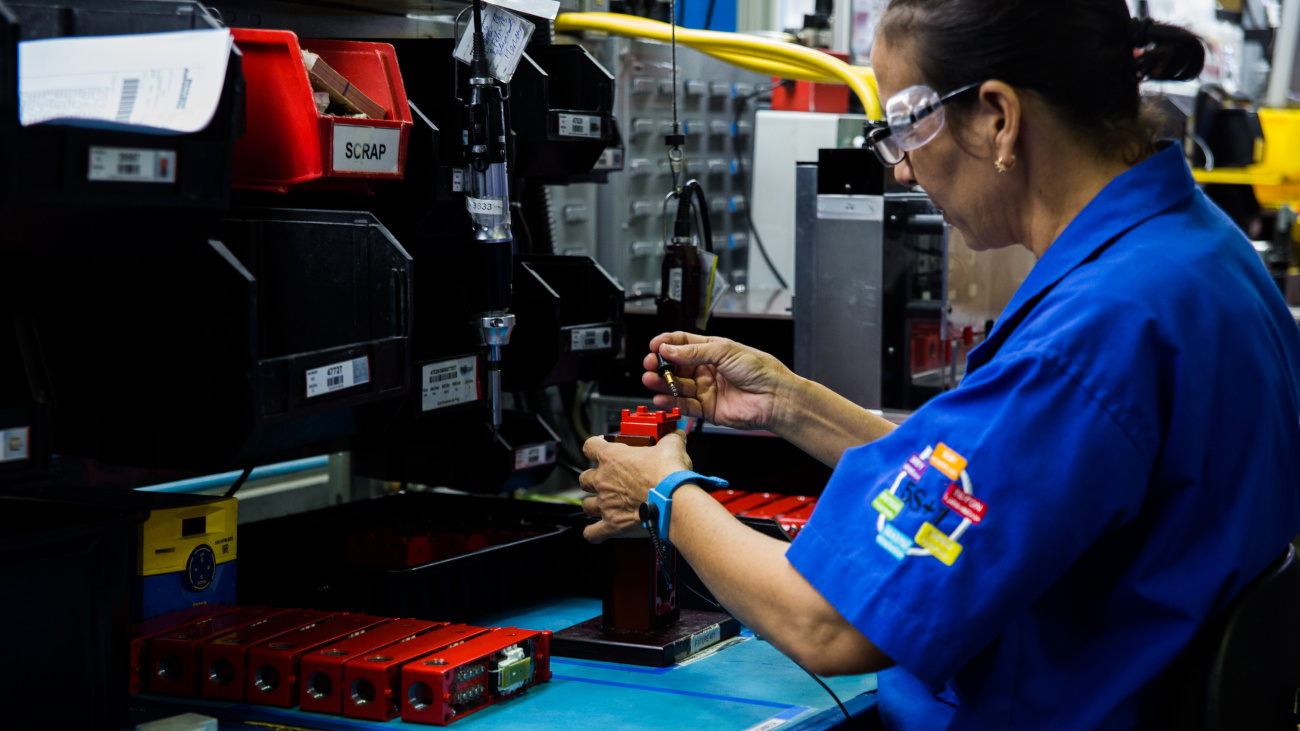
621	481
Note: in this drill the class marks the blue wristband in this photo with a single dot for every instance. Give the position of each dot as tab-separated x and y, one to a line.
661	496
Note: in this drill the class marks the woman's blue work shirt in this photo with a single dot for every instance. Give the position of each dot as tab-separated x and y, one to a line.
1045	539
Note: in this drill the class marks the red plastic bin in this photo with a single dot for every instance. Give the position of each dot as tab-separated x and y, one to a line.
289	145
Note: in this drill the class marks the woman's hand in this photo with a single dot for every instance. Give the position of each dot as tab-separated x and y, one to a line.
621	481
727	383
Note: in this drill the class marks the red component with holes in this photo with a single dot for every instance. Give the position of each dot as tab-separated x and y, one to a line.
794	522
372	683
322	670
726	496
467	678
273	666
751	501
646	423
225	659
778	507
143	634
175	664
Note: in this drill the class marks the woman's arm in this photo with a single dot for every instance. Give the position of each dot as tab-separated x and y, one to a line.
734	385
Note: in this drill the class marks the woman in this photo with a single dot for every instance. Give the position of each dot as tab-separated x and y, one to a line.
1034	548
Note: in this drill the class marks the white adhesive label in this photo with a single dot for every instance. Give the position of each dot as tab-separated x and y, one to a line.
591	338
851	207
338	376
485	206
366	149
701	640
448	383
130	165
13	444
457	180
675	284
579	125
534	455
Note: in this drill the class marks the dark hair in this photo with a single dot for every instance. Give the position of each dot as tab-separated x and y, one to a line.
1077	55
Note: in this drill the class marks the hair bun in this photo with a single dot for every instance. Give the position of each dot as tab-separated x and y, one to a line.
1169	53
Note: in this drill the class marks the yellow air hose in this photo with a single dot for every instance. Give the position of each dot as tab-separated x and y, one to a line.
752	53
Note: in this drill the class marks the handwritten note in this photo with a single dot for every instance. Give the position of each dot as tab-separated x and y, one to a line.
504	37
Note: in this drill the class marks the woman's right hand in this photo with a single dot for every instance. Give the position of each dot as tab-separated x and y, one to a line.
725	382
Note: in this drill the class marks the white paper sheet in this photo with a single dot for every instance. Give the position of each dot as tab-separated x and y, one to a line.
504	37
168	81
541	8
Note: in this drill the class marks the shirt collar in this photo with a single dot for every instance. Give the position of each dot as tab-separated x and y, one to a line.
1144	191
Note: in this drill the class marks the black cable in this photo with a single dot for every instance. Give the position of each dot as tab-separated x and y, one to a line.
827	688
239	482
702	202
696	429
708	15
741	180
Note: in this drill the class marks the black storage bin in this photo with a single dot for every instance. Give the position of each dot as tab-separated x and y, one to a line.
570	322
301	560
46	199
26	401
200	357
66	569
562	108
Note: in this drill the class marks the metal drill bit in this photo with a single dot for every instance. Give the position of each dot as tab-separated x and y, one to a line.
666	372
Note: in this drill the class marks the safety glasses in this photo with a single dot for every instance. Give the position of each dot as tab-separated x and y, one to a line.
913	117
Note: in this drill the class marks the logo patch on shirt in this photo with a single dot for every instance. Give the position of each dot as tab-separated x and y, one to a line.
908	495
893	540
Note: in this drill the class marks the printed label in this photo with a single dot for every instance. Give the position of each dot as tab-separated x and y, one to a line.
579	125
938	543
485	206
888	503
448	382
966	505
457	180
534	455
701	640
947	461
13	444
675	284
893	540
915	467
338	376
591	338
366	149
129	165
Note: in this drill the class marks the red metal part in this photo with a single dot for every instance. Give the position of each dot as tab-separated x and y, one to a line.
175	661
777	508
430	685
646	423
372	683
322	670
726	496
225	659
751	501
794	522
810	96
143	634
273	666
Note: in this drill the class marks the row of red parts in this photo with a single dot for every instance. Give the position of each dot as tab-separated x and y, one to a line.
791	512
354	665
391	550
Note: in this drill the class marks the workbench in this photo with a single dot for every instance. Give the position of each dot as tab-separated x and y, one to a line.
743	684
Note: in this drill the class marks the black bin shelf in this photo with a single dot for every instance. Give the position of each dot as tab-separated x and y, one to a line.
268	343
46	197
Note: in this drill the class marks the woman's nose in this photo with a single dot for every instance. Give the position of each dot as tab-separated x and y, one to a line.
903	172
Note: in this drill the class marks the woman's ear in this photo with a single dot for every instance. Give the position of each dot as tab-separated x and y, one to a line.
997	119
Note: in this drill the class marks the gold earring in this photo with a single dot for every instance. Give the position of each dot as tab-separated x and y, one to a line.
1002	167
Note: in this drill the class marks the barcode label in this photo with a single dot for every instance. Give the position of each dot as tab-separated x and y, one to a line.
591	338
338	376
131	165
701	640
534	455
448	383
579	125
14	444
126	105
